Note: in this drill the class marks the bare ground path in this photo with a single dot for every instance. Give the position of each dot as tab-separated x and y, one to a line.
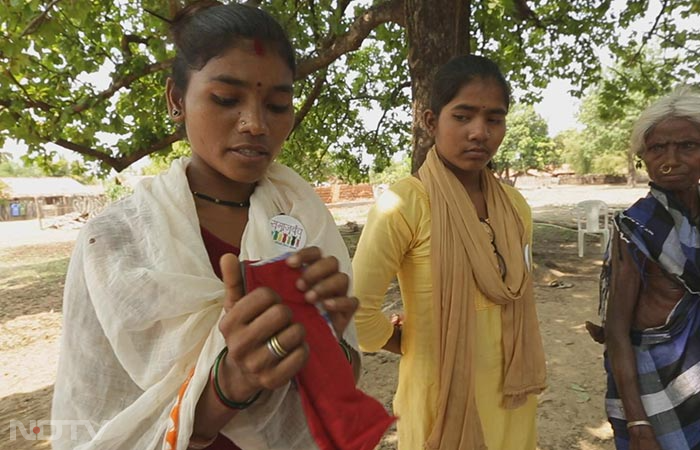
571	416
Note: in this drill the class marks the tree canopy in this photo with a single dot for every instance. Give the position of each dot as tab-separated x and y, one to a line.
89	76
608	113
527	144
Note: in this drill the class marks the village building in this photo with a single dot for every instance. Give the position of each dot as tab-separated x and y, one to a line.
23	198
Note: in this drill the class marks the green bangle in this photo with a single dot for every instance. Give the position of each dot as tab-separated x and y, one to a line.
346	349
220	393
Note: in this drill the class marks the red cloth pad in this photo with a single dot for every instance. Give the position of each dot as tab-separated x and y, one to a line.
340	416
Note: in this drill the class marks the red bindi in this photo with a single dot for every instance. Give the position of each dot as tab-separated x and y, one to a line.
258	47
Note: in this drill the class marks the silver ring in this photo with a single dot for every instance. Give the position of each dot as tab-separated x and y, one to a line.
666	169
273	344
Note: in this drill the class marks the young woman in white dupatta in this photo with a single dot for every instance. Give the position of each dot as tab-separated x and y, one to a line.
459	242
141	356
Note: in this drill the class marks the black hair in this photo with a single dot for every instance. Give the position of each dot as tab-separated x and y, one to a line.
462	70
206	29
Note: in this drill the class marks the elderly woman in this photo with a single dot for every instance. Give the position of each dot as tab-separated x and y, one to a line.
651	286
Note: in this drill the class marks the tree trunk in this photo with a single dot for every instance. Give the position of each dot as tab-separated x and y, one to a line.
437	30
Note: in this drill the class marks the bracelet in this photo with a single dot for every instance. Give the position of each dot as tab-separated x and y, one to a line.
638	423
346	349
220	393
199	444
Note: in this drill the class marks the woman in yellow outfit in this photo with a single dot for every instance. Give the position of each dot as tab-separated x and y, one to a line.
459	242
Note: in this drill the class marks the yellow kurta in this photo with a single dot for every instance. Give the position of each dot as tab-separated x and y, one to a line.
396	241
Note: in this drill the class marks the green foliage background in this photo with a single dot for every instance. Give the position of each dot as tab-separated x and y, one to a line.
51	52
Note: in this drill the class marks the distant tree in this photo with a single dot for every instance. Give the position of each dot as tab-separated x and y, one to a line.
14	169
160	161
608	114
61	167
398	169
527	144
569	144
114	190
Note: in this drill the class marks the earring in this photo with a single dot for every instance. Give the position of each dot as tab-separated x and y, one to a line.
176	113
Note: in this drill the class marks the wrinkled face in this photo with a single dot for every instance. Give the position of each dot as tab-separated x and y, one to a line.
470	127
672	154
237	112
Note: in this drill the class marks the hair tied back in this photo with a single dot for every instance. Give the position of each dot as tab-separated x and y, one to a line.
192	9
183	16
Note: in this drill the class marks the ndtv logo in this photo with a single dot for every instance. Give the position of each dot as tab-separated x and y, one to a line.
41	430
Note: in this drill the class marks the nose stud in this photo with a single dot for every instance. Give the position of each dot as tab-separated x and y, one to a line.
666	169
243	122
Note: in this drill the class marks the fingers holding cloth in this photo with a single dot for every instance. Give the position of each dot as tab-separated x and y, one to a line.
250	321
281	304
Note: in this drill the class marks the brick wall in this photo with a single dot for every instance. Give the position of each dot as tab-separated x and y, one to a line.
326	193
338	193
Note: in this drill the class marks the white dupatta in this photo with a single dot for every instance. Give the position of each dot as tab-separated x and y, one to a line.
141	309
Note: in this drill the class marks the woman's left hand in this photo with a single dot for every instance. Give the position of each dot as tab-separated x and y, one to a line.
322	281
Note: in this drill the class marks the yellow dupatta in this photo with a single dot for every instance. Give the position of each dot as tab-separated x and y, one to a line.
463	261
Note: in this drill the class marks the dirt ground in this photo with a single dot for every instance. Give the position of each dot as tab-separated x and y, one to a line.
571	416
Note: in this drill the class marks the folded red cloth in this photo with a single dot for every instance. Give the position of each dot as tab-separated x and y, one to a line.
339	415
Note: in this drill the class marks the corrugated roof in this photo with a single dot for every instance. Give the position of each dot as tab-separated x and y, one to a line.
22	187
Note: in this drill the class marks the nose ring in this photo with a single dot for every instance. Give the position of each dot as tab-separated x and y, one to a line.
666	169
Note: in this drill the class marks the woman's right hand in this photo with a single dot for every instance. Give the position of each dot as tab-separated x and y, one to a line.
643	438
248	323
596	332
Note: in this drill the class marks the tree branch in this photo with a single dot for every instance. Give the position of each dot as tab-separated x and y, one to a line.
128	39
76	38
394	94
87	151
319	82
38	20
29	102
678	45
121	83
342	6
125	161
154	147
525	13
389	11
649	33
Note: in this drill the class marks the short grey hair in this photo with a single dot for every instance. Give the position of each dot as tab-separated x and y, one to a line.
682	103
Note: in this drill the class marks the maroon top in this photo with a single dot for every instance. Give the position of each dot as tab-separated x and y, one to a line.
216	248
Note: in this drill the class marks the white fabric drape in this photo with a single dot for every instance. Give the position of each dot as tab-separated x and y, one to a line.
141	309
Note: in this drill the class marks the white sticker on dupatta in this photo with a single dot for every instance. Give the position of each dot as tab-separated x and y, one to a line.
528	262
287	232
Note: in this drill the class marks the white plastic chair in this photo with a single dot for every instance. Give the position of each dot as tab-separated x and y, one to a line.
592	218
